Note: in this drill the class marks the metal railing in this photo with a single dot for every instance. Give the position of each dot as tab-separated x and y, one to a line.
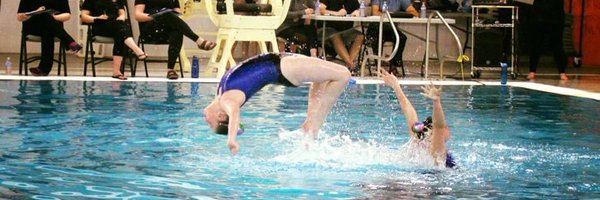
461	58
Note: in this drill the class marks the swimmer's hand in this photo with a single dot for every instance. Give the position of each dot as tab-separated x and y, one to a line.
388	79
234	146
430	91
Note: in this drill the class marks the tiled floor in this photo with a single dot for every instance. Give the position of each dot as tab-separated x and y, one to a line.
586	78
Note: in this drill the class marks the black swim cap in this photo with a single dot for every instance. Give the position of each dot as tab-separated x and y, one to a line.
222	128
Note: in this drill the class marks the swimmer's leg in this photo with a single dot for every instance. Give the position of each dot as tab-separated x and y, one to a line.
330	78
314	94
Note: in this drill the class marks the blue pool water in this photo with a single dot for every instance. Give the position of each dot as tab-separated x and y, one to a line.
145	140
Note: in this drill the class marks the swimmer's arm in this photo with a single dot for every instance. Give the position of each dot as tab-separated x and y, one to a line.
440	134
233	111
405	104
231	103
441	131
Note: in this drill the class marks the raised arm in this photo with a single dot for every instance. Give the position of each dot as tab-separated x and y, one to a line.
407	107
441	133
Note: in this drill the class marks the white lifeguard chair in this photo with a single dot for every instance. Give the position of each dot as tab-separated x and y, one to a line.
232	27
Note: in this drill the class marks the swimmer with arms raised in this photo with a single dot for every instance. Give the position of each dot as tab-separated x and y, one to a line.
432	133
241	82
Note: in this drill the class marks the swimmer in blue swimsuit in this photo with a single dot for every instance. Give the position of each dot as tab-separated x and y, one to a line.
241	82
430	134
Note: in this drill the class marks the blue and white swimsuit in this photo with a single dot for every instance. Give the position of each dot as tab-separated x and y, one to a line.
253	74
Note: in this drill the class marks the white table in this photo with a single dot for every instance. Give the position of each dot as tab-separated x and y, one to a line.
415	20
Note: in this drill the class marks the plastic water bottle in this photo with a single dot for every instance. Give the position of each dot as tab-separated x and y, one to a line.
8	65
352	81
504	73
317	7
384	7
195	67
362	8
423	10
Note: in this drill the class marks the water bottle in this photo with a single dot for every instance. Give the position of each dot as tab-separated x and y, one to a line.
352	81
317	7
384	7
504	73
362	9
8	65
423	10
195	67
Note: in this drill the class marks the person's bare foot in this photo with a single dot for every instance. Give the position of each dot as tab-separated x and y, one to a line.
531	76
563	77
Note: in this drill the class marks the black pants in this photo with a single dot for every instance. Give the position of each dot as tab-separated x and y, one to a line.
47	28
168	28
118	30
303	35
554	35
387	36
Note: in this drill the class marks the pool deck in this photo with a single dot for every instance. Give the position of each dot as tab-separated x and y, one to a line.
585	82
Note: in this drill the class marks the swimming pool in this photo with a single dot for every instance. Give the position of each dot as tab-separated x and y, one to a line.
147	140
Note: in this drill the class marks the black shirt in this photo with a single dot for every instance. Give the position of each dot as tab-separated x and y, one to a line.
153	6
108	7
61	6
336	5
549	11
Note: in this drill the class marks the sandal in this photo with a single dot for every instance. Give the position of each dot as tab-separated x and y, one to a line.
119	76
172	74
207	45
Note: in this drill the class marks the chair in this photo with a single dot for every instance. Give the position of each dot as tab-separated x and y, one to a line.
24	59
232	27
142	42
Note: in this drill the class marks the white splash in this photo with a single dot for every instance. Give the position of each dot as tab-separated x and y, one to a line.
344	152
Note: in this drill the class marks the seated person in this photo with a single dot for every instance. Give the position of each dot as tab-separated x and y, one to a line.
48	26
300	31
343	34
387	32
166	27
108	19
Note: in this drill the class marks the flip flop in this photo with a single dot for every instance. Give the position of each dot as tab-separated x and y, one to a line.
207	45
119	76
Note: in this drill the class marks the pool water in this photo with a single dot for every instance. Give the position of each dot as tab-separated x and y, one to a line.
148	140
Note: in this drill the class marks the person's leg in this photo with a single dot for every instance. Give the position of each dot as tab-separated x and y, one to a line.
341	50
555	34
311	39
117	60
47	52
175	43
125	36
355	48
59	31
330	78
537	42
173	22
